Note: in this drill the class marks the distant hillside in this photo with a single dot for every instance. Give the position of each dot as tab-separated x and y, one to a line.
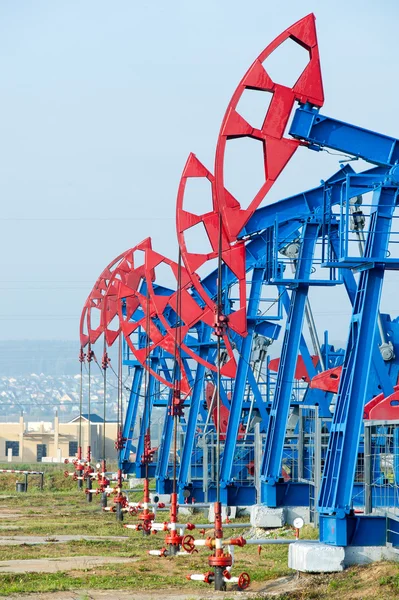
50	357
57	358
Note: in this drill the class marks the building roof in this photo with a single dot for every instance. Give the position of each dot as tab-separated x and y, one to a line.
94	418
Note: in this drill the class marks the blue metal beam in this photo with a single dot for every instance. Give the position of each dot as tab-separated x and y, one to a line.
274	445
131	416
146	420
320	131
237	400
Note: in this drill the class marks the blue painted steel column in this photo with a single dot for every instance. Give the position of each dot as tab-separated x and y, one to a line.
303	348
192	421
161	472
130	418
146	419
274	445
241	379
339	471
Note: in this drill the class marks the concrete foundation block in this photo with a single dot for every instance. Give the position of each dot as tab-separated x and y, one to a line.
314	557
264	516
155	498
227	511
297	511
134	483
191	509
364	555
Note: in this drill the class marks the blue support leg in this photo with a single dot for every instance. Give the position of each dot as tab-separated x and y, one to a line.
274	445
241	380
161	472
130	420
146	420
193	415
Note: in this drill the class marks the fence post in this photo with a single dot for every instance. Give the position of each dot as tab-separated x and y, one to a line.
367	469
317	463
300	445
257	460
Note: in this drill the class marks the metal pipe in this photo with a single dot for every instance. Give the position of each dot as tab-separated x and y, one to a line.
22	472
196	505
212	525
267	542
191	526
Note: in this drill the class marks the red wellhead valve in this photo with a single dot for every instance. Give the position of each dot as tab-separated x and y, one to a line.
243	581
209	577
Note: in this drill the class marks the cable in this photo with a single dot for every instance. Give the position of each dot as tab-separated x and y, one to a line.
176	396
120	393
81	359
146	411
105	366
219	311
347	156
90	355
106	220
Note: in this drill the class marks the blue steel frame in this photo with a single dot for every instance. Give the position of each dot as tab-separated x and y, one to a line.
256	253
319	131
338	524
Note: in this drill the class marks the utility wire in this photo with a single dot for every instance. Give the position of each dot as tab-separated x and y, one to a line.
219	356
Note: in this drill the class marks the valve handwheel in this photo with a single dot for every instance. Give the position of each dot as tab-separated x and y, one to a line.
133	510
188	543
243	581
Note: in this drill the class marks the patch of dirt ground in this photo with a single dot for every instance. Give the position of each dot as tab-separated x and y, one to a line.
358	583
166	594
17	540
55	565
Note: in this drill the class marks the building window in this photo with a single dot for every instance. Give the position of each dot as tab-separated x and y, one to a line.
14	446
73	448
41	452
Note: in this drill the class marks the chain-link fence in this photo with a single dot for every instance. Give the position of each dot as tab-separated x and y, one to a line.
381	467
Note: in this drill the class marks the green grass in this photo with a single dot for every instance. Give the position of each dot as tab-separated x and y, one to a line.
56	512
66	512
391	581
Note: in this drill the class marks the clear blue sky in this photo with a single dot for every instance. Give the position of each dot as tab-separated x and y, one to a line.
102	101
